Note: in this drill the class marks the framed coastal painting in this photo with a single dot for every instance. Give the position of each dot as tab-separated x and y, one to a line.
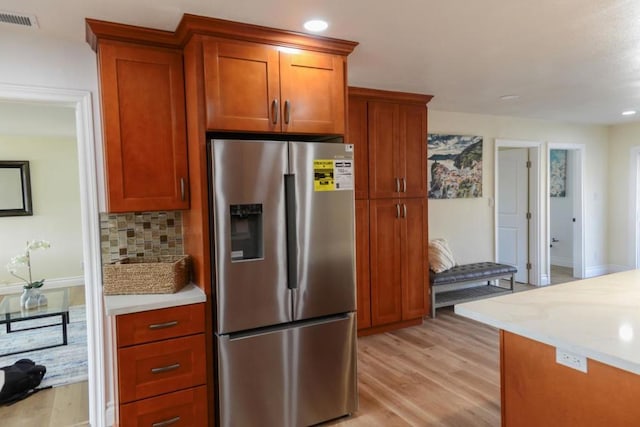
558	173
454	164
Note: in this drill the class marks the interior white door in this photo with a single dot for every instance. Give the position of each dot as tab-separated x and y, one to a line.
513	193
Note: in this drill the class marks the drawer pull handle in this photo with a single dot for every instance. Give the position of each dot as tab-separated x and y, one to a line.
165	368
163	325
166	422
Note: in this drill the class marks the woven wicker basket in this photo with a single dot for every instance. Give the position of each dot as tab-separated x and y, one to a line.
146	275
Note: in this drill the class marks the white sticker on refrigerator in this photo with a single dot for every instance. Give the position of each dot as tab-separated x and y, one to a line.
343	174
333	175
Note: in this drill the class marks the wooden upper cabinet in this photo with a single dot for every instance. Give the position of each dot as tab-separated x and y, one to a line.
397	141
312	92
260	88
143	113
242	86
357	135
384	150
412	158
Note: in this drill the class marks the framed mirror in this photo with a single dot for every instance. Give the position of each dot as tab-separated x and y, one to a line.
15	188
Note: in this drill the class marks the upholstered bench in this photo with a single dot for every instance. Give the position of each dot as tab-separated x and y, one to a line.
468	282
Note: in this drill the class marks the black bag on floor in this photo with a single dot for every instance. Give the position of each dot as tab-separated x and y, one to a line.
20	380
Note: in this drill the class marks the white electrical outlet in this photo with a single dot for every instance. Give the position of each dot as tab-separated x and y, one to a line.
571	360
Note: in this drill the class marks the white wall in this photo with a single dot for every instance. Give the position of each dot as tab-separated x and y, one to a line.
468	224
31	60
55	194
561	219
622	138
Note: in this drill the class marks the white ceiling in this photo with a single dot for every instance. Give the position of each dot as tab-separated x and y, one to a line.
569	60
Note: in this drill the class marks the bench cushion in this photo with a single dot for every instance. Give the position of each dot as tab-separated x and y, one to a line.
467	272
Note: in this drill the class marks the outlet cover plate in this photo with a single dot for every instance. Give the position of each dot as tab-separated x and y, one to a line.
571	360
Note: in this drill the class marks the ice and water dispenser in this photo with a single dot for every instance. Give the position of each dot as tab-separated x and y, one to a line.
246	232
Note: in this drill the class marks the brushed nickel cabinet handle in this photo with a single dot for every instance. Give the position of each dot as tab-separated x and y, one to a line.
397	185
165	368
166	422
275	111
404	185
404	207
163	325
182	188
287	111
397	210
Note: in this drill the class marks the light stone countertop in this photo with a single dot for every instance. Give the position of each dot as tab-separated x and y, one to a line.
124	304
598	318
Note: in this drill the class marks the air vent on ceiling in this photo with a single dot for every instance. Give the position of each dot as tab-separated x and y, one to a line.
18	19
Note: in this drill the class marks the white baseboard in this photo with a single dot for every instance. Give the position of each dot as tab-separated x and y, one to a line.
614	268
544	280
62	282
596	270
110	414
562	261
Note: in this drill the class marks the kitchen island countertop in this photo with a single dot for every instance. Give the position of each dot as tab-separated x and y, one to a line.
124	304
598	318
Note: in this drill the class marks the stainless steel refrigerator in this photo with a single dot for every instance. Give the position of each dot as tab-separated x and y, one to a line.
284	281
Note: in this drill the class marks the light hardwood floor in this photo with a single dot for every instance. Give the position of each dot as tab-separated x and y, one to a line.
57	407
442	373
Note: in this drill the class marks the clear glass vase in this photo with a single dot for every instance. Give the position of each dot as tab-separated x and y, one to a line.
32	298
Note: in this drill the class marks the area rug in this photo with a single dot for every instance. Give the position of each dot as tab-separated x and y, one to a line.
65	364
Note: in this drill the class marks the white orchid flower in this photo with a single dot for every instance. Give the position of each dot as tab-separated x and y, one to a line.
38	244
20	260
24	261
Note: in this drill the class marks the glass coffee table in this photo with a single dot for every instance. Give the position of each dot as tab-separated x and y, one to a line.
11	315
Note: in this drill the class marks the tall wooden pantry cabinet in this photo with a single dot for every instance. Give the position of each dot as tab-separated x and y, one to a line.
389	133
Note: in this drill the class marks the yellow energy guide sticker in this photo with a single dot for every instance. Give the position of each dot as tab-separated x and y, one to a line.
333	175
323	178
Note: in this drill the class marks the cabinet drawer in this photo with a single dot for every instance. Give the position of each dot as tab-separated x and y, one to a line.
154	325
186	408
156	368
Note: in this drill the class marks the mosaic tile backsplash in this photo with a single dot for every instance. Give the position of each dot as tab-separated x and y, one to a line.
140	234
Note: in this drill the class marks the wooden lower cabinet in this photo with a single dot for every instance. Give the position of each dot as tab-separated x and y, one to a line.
538	391
362	264
397	267
160	365
186	408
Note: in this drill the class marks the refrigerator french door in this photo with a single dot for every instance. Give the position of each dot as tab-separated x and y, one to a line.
283	236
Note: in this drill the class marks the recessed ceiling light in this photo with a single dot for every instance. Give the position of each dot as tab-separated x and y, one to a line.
316	25
628	113
509	97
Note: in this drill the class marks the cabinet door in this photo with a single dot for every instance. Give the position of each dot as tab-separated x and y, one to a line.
312	92
383	128
385	256
413	150
143	112
152	369
241	86
182	408
357	135
362	264
414	258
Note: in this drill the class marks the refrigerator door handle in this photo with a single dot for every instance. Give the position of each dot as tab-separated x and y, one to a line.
292	236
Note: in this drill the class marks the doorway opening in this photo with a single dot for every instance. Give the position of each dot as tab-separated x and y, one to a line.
565	212
80	101
517	210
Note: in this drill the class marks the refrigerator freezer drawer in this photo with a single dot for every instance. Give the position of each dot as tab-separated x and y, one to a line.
295	376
